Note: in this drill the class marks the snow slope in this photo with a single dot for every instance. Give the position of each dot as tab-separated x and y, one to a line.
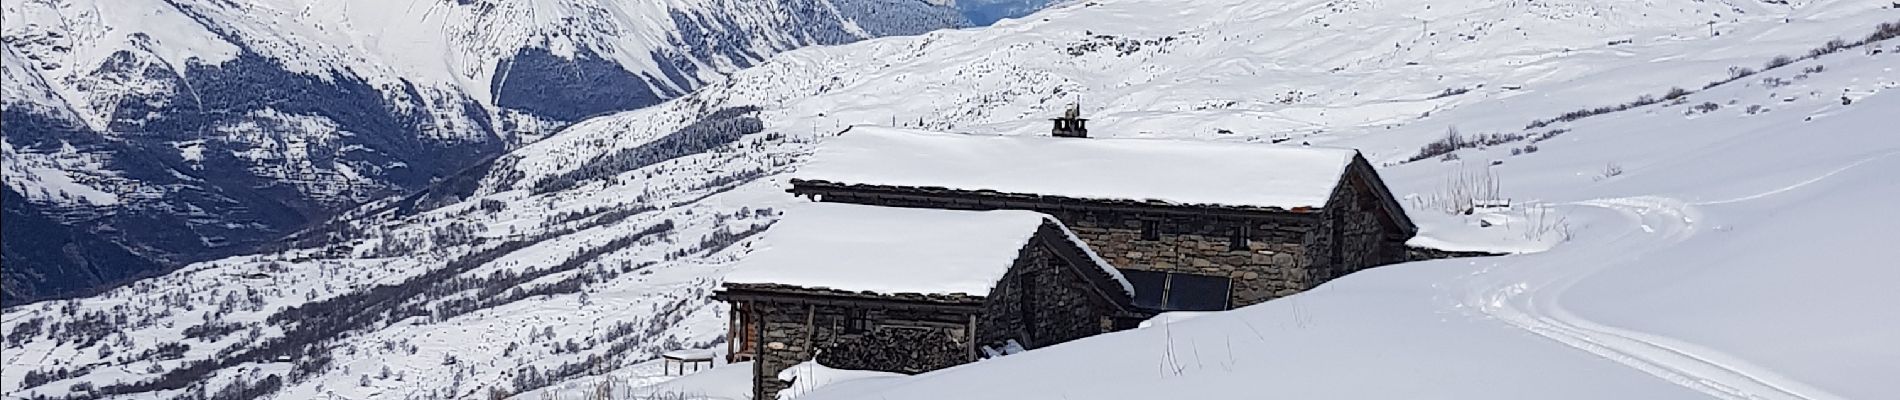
594	249
1311	71
1739	256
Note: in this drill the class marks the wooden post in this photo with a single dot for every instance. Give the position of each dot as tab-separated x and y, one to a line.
758	350
969	337
732	321
811	314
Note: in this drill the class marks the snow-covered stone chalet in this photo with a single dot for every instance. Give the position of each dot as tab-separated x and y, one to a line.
923	248
912	290
1195	225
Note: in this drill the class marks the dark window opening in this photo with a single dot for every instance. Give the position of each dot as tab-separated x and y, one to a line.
1167	291
1150	230
856	321
1150	287
1240	239
1197	292
1338	231
1027	283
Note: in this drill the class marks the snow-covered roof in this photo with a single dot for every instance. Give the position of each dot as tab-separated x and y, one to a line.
858	248
1174	171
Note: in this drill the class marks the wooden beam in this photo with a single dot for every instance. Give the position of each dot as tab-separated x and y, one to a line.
994	199
758	353
969	339
811	313
732	335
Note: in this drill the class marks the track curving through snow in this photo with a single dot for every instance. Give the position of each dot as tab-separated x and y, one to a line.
1526	293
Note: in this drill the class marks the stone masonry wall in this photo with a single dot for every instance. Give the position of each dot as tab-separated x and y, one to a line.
894	340
1040	302
1351	236
1272	264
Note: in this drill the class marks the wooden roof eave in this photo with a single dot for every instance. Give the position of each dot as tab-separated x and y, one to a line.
804	187
799	295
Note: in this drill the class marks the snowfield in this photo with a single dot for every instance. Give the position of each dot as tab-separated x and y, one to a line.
1728	241
1707	285
1738	256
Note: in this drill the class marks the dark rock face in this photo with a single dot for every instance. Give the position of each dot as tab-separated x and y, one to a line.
247	186
986	12
712	36
570	89
45	258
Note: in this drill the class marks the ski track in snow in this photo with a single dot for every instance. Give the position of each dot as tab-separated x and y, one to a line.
1798	185
1528	297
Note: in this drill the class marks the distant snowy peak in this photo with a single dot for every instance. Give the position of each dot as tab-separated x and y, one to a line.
647	50
246	120
985	12
25	88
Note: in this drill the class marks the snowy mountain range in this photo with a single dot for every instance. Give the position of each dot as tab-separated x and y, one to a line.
1633	139
188	130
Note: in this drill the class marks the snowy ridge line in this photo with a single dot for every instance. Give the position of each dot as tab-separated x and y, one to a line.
1535	307
1674	96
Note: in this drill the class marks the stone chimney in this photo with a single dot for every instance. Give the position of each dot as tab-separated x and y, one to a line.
1071	125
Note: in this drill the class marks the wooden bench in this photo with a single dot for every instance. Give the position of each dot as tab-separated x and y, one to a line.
685	357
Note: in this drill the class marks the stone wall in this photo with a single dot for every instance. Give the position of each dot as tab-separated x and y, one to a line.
1043	300
1268	265
1272	263
897	339
1352	235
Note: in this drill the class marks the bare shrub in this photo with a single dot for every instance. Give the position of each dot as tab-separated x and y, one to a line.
1445	145
1704	108
1462	190
1828	48
1885	31
1778	62
1547	135
1675	93
1545	224
1448	92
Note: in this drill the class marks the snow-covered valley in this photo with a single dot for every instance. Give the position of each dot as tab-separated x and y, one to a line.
1722	242
184	131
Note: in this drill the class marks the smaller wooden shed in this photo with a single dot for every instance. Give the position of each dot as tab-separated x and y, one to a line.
911	290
